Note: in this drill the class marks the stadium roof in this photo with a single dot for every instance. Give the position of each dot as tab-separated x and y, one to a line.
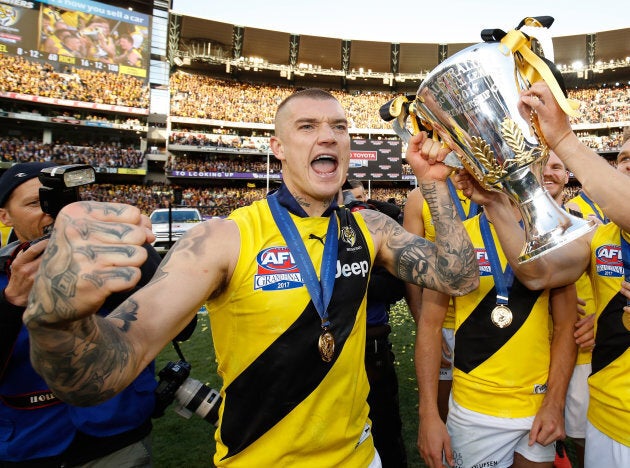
274	47
405	21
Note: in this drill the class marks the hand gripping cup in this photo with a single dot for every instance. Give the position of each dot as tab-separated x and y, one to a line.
470	101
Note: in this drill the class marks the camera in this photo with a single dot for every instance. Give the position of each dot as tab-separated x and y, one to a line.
61	185
192	396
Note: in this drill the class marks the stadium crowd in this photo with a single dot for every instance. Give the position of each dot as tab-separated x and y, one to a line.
219	163
18	75
202	97
211	201
98	155
219	140
197	96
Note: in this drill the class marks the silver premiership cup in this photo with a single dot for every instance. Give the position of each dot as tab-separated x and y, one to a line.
470	100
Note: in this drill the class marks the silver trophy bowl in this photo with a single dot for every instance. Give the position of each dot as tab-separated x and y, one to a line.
470	100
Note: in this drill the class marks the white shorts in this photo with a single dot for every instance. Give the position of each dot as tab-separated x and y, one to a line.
600	450
481	440
576	404
448	335
376	461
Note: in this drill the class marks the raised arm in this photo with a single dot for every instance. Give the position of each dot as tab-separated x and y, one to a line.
449	265
95	250
557	268
606	186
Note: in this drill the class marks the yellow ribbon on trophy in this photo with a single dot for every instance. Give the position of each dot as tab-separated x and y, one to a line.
533	68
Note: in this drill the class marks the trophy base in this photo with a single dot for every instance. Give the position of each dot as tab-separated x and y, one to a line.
537	247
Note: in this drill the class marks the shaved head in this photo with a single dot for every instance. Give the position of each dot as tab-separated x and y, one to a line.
310	93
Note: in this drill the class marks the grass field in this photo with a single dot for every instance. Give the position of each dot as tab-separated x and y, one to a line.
181	442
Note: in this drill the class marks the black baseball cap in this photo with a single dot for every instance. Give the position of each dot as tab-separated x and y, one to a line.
16	175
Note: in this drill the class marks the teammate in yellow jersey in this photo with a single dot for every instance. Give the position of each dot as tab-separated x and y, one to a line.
604	254
418	220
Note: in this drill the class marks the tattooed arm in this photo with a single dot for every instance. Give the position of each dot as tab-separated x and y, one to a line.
414	223
95	250
449	265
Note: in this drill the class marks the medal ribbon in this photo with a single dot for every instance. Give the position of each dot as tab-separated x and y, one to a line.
472	211
320	293
625	256
598	213
502	281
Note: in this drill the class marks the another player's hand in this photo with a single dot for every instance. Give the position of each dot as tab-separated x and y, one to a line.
625	291
447	355
548	424
539	101
584	328
434	443
471	189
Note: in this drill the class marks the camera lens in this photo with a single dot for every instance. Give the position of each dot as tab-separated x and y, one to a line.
200	399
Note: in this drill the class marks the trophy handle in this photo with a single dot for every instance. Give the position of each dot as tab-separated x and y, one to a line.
402	108
398	110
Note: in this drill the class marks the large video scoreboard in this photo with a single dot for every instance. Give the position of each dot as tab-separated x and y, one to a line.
77	33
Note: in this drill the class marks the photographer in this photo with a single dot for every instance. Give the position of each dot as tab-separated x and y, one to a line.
36	428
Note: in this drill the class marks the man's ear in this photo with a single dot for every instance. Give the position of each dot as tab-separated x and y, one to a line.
5	218
277	147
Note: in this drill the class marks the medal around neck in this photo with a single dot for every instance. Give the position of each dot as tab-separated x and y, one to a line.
501	316
326	345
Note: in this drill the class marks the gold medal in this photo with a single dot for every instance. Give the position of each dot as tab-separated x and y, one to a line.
625	318
326	346
501	316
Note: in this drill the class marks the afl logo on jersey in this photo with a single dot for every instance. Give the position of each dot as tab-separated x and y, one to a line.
608	261
276	270
276	258
484	262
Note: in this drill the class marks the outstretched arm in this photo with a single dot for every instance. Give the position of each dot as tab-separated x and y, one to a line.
608	187
556	268
95	250
449	265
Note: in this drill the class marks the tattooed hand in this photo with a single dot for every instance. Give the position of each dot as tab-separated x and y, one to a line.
95	250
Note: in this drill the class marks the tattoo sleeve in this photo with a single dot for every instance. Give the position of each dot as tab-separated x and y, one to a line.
456	267
448	265
80	355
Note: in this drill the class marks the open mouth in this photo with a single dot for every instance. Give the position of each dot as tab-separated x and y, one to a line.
324	164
